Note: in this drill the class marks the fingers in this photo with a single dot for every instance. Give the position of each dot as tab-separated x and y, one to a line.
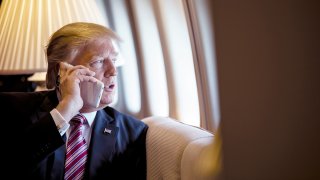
69	70
87	78
81	70
82	74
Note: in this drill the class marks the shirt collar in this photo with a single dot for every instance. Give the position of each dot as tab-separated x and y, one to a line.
90	117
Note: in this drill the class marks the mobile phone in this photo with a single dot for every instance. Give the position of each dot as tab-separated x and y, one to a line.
91	92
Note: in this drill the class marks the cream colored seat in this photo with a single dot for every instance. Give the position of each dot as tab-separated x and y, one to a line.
174	149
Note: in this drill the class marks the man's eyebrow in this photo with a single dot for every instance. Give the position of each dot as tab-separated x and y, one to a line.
97	57
114	53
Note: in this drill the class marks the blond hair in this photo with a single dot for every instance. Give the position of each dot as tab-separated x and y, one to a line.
66	42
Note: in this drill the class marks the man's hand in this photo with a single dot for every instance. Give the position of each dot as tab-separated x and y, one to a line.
70	78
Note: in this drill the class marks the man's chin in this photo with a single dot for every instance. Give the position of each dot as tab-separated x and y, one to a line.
105	101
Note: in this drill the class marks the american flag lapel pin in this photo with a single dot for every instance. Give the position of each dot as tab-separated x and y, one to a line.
106	130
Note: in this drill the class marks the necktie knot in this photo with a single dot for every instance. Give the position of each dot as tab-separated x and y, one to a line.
78	119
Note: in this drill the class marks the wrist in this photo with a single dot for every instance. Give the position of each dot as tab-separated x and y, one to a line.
68	108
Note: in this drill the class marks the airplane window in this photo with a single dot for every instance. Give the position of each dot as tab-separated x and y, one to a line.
200	25
177	48
151	58
129	70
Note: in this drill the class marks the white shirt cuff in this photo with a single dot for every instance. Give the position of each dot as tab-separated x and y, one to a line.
60	122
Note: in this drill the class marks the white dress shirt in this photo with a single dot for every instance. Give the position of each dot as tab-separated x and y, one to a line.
63	125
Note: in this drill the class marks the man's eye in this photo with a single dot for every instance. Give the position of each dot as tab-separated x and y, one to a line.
97	64
114	60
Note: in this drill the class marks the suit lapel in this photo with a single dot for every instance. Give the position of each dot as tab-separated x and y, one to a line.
102	143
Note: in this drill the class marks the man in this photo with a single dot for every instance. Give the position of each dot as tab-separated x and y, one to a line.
108	145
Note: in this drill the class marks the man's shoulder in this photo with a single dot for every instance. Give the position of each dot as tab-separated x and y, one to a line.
23	95
23	100
114	113
124	119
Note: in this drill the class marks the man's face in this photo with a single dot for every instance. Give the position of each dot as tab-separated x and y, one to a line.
99	56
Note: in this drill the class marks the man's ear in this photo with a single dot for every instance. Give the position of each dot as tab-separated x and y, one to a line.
57	68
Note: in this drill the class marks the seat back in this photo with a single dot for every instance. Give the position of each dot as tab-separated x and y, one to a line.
173	148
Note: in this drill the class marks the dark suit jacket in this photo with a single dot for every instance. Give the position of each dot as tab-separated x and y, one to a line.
35	149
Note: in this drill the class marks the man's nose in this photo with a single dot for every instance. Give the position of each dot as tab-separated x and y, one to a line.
111	69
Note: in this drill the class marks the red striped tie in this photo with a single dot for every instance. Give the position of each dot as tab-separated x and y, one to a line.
76	156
